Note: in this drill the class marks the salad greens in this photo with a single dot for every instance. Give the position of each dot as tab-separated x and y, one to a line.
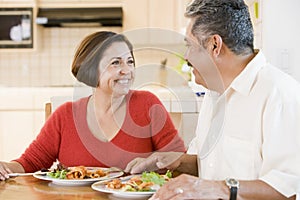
155	177
60	174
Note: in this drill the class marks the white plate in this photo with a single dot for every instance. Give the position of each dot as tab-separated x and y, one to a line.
76	182
101	187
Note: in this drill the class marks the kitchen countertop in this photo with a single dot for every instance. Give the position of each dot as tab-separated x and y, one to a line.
178	99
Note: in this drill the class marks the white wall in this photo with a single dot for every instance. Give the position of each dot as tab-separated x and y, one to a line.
281	34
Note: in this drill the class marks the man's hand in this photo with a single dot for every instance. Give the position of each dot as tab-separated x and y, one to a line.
191	187
157	161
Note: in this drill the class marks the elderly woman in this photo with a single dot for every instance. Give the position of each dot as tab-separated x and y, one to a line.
109	128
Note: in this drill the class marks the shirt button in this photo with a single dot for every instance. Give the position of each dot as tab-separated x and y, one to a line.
211	165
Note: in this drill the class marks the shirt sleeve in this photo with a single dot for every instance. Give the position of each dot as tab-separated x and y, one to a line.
165	135
281	146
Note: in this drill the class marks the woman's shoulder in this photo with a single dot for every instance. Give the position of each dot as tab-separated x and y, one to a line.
70	105
142	94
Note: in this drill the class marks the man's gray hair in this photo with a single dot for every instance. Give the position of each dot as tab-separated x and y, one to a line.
228	18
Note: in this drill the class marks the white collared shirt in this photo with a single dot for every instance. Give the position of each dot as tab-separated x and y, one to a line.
252	130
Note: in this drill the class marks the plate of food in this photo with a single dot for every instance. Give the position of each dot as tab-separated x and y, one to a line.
143	185
78	175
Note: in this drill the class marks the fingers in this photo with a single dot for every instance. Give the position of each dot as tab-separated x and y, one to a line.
4	171
179	188
138	165
148	164
157	161
164	162
168	192
130	165
169	160
3	177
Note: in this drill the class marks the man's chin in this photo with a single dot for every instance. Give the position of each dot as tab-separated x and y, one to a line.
201	82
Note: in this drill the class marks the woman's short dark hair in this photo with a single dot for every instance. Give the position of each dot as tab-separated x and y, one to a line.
85	66
228	18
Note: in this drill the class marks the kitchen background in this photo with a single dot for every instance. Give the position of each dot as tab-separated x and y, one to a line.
30	77
48	64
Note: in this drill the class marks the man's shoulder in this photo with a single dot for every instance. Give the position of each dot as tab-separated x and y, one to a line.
275	83
279	79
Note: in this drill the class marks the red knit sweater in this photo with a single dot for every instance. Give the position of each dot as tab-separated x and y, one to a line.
65	136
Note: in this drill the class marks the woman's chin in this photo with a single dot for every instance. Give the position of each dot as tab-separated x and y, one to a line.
121	91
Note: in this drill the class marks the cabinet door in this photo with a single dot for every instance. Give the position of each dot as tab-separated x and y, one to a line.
17	1
135	14
162	14
166	14
79	3
149	13
16	133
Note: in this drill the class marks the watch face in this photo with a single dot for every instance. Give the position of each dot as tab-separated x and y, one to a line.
232	182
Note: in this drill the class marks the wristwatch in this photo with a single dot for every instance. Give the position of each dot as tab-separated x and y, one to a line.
233	185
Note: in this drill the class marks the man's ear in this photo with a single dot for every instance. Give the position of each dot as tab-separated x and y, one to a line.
216	44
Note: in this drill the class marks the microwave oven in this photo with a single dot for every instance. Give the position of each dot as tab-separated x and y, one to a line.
16	30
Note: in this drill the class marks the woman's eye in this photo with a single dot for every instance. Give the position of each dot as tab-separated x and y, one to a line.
116	62
130	62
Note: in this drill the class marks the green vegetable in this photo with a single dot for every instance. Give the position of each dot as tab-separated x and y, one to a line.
155	177
129	188
169	174
60	174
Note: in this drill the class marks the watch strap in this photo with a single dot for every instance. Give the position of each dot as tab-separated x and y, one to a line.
233	193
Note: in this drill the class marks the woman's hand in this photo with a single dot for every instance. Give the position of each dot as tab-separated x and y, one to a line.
9	167
4	171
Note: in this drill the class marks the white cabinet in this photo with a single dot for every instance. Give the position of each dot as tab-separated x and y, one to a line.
155	24
166	14
17	1
79	3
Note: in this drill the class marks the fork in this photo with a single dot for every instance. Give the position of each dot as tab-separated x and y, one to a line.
116	169
26	174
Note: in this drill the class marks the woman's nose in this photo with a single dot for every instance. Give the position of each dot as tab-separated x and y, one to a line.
125	69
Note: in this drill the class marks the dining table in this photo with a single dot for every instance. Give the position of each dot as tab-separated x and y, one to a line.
31	188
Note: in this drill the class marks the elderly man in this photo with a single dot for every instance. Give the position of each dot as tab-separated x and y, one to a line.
247	143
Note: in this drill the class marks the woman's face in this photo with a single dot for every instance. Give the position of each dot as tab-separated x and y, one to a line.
116	69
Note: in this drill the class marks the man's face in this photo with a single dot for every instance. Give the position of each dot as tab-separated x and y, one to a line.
201	59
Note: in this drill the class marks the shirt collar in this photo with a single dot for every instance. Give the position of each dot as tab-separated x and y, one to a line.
244	81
